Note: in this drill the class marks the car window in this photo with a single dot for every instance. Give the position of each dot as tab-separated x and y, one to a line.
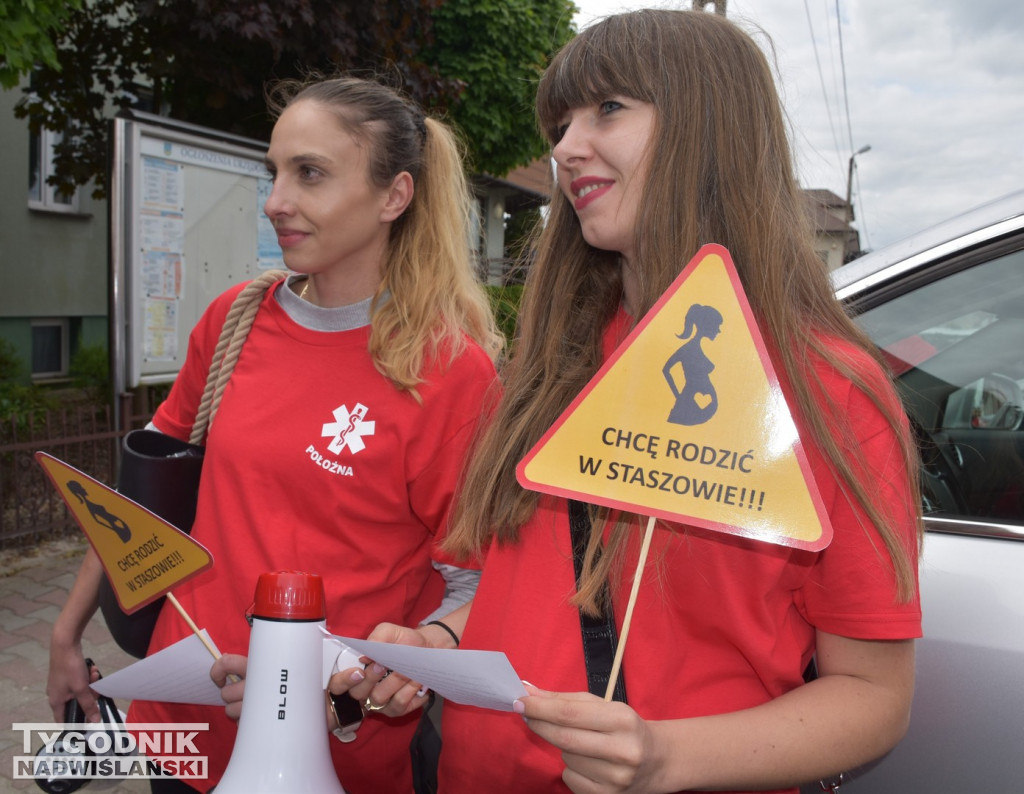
956	346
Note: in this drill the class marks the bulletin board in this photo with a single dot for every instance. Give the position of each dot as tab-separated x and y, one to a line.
187	222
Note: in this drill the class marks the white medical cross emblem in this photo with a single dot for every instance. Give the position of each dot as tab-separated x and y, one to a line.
348	429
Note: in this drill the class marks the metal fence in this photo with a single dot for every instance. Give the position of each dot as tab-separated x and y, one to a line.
81	435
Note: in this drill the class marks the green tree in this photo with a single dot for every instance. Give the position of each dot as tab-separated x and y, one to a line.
498	49
207	62
27	32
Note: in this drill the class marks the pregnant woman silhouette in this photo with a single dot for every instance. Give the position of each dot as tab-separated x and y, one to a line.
696	401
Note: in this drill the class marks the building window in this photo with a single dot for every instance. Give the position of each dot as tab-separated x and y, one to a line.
42	196
49	349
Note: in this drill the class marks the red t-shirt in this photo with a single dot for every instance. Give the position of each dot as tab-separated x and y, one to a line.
722	623
316	462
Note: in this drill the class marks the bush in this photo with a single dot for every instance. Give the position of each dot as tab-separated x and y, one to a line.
12	368
90	371
27	403
505	305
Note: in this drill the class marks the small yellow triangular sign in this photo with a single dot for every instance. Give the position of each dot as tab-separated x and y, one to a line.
686	421
143	555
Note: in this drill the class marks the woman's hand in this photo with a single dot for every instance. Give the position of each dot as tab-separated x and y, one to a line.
606	746
854	712
70	678
379	689
383	691
228	672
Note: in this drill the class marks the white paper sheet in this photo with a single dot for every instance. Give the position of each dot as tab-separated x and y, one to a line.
179	673
473	678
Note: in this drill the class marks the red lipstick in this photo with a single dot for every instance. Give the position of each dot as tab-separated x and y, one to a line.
591	187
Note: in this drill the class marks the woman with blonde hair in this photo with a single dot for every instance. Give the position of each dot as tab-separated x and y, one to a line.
668	134
341	433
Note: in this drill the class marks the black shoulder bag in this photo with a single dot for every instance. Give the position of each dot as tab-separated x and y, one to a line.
599	634
162	473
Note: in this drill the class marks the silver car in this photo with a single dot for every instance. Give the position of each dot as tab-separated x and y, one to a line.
947	308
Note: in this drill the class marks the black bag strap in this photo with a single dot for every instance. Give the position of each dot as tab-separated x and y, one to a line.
599	634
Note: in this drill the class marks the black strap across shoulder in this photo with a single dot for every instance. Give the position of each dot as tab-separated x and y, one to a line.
599	634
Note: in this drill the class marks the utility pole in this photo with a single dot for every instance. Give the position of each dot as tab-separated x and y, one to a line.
849	182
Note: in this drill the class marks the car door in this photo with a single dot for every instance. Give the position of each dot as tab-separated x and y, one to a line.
953	331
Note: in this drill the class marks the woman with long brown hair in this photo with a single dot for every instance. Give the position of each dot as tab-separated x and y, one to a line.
668	134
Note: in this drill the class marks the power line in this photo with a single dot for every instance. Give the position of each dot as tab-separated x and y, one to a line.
821	77
842	65
849	124
834	72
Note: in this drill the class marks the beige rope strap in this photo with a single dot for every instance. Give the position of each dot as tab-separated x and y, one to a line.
236	328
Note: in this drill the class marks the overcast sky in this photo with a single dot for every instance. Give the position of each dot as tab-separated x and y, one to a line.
935	87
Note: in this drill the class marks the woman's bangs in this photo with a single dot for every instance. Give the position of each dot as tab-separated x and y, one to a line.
580	76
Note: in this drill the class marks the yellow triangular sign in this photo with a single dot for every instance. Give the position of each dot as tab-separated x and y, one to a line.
143	555
686	421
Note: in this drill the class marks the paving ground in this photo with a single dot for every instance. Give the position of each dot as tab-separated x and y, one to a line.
33	587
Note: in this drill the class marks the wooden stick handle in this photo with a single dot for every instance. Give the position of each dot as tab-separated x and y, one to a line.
637	576
192	625
195	630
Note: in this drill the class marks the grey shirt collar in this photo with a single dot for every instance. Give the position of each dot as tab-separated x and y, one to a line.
317	318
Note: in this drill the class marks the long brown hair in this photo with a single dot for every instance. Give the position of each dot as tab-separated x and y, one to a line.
721	172
434	299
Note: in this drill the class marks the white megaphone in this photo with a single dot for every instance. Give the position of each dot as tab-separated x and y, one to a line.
282	741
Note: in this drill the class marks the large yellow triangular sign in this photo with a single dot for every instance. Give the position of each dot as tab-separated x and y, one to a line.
686	421
143	555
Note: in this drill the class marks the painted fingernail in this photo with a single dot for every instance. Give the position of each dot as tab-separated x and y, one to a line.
421	691
518	706
357	676
378	669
